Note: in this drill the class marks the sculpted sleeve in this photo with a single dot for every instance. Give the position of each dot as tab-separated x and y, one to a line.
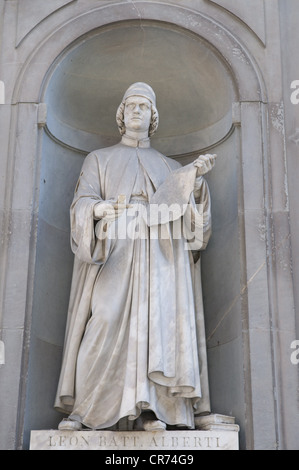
197	217
87	195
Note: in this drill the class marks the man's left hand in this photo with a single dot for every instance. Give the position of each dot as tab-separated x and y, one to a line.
204	164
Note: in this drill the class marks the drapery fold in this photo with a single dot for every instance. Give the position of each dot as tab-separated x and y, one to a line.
135	334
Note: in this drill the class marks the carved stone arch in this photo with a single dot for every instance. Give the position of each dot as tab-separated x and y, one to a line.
245	71
231	331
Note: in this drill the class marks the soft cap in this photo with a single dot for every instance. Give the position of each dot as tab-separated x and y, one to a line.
141	89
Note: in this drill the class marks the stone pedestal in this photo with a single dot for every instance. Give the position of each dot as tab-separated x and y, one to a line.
216	422
135	440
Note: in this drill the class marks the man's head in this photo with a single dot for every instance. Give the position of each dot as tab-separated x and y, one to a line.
137	111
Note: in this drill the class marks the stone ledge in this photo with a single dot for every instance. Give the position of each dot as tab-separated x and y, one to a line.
134	440
216	422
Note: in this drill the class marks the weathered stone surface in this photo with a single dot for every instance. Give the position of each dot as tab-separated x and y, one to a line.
30	14
253	320
109	440
216	422
251	13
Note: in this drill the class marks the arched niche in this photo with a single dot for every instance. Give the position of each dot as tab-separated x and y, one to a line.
195	94
195	104
192	84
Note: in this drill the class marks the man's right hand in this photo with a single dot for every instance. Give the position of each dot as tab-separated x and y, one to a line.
109	210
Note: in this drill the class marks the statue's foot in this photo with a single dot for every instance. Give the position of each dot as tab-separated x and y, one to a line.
154	425
69	425
148	421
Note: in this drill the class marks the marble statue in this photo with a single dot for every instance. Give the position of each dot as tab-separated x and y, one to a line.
135	340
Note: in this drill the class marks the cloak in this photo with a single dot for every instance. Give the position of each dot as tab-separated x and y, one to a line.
135	335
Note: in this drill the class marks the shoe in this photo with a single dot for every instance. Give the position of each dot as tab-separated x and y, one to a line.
154	425
69	425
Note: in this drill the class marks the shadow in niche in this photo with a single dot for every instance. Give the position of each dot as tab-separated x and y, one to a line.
194	99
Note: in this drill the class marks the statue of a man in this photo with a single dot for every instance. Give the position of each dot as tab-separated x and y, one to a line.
135	340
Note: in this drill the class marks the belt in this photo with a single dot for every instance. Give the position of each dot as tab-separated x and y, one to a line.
138	200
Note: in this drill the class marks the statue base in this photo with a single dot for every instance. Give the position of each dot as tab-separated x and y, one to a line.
216	422
220	439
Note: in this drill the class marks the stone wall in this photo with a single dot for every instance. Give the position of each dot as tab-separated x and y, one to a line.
251	267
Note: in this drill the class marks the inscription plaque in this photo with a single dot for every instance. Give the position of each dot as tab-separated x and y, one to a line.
125	440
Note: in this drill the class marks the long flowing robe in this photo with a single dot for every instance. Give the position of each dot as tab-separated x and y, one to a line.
135	337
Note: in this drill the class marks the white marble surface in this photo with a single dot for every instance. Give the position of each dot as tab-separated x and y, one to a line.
145	366
130	440
216	422
240	350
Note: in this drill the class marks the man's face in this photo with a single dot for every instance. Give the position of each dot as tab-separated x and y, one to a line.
138	113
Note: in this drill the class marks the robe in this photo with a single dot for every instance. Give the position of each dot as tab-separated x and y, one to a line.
135	337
